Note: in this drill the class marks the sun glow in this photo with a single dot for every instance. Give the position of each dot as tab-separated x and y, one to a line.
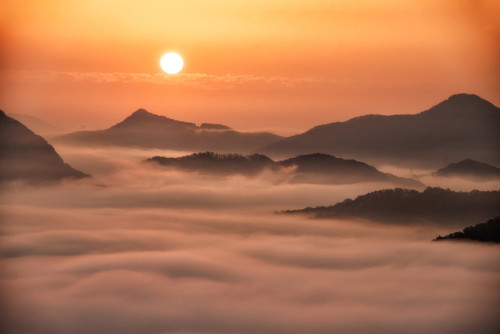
171	63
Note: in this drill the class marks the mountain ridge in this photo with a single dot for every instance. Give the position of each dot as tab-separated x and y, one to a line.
469	168
462	126
442	206
142	116
483	232
148	130
25	155
313	168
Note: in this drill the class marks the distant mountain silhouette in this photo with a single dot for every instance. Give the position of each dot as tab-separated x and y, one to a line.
410	206
486	232
27	156
469	168
311	168
462	126
147	130
324	168
35	124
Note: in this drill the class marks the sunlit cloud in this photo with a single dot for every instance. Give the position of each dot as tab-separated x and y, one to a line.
193	80
165	271
139	250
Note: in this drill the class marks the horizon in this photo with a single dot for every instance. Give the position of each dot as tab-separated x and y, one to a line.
280	132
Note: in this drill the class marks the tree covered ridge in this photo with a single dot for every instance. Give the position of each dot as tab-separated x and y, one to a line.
486	232
404	205
316	168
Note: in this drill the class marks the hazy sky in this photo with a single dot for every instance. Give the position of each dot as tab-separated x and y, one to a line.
284	65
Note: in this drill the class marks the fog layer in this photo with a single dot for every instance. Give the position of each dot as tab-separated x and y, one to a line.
137	250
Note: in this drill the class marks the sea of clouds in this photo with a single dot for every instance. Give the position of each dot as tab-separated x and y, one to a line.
138	249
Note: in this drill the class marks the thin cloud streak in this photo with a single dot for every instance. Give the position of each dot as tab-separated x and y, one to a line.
194	80
202	81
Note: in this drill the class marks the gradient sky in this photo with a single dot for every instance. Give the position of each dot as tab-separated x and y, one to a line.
282	65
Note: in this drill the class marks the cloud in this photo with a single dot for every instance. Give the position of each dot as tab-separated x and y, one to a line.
144	251
174	264
55	242
199	81
194	80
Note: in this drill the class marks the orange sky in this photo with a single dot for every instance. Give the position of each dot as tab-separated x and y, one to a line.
283	65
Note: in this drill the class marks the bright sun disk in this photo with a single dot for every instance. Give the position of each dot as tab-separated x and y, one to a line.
171	63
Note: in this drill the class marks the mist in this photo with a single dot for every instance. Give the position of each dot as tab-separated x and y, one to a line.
136	249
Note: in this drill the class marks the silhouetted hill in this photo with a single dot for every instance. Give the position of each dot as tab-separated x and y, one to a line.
27	156
410	206
147	130
143	118
469	168
323	168
462	126
486	232
312	168
219	164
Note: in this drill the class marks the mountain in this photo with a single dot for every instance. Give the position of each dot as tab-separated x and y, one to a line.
323	168
27	156
217	164
147	130
469	168
486	232
311	168
410	206
462	126
35	124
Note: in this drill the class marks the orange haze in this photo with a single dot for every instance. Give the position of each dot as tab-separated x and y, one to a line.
282	65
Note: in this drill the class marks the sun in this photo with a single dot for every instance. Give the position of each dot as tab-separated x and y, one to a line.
171	63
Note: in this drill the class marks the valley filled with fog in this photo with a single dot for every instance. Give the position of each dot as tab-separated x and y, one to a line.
140	249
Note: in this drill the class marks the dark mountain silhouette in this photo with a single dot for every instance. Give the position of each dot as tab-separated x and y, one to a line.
462	126
147	130
469	168
486	232
324	168
312	168
27	156
410	206
35	124
217	164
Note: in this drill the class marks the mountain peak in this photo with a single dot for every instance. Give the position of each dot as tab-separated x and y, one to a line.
142	117
463	97
465	100
462	104
141	111
143	114
470	101
470	168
